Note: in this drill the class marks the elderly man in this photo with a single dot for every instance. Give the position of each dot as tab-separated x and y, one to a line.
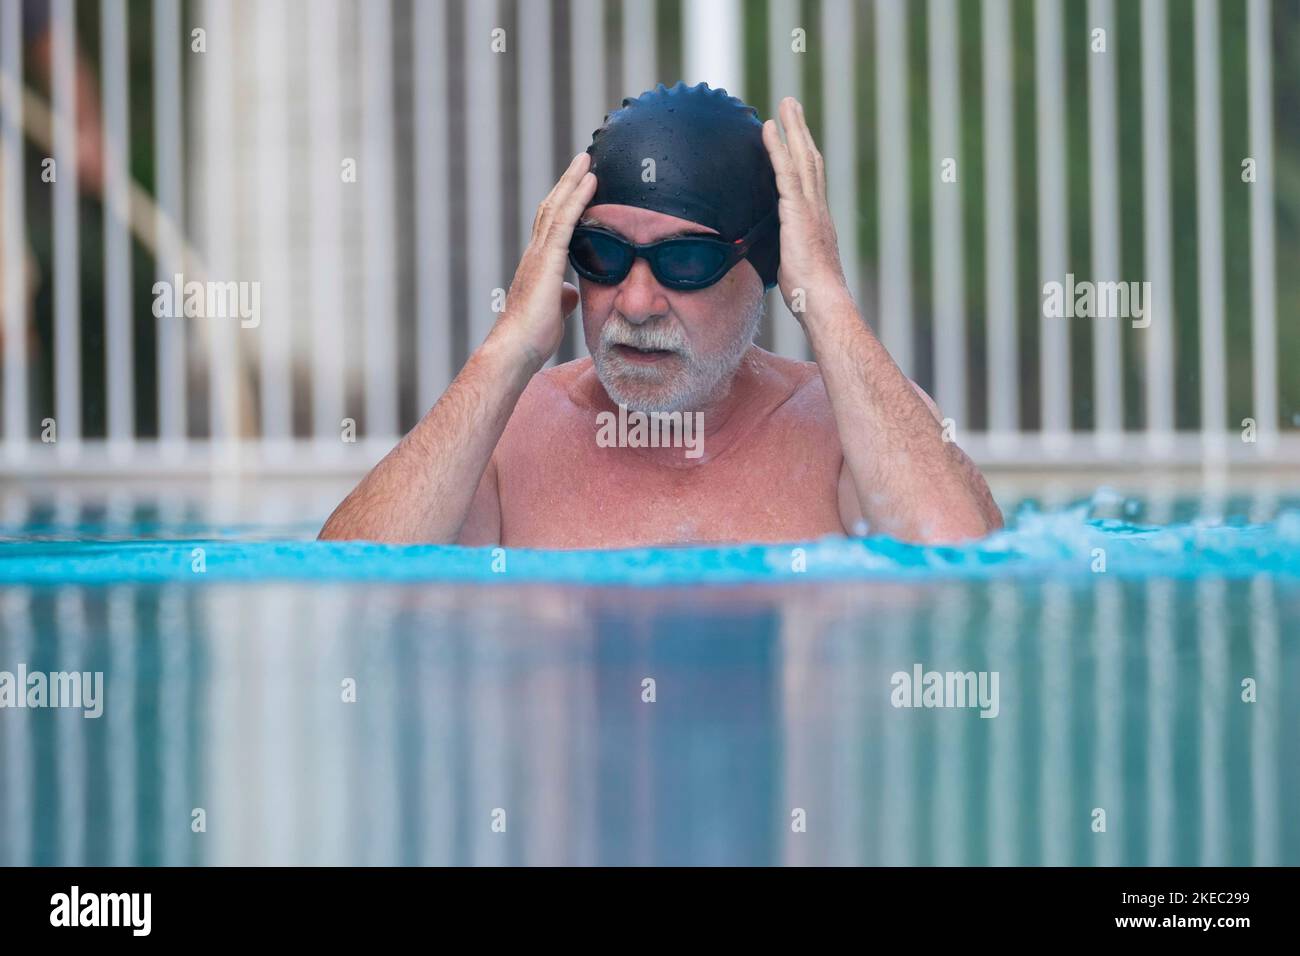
681	213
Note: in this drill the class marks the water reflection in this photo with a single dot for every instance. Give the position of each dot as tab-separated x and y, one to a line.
513	726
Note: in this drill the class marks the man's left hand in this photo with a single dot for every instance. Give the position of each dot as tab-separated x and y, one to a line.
810	275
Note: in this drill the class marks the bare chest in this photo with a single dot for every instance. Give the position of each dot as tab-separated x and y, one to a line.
568	490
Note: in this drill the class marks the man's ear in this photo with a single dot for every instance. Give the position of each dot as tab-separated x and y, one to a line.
568	299
752	277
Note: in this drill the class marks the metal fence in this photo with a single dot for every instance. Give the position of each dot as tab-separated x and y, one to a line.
370	169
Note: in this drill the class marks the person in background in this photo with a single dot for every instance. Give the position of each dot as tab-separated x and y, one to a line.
38	57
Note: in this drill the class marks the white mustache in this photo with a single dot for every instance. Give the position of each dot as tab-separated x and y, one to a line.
640	337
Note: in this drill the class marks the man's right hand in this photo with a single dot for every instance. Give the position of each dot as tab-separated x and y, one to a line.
539	299
425	488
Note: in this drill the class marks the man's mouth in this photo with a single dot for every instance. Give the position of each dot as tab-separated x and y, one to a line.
634	354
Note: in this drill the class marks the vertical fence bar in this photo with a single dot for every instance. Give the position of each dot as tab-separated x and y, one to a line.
894	184
172	394
945	201
375	173
536	112
785	78
1000	222
711	44
217	148
589	106
483	170
537	115
640	47
119	359
1157	227
839	134
14	263
1263	260
1107	362
432	224
67	260
270	159
1053	217
325	237
1209	226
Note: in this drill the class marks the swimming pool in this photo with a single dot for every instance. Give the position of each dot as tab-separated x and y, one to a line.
356	704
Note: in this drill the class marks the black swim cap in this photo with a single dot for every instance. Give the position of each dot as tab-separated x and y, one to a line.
710	164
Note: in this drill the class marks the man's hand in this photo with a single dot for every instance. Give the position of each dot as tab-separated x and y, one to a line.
810	255
539	299
907	480
424	488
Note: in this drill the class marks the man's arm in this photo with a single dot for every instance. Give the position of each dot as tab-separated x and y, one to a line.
909	482
424	488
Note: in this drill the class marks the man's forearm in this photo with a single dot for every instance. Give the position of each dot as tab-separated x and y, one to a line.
910	482
423	488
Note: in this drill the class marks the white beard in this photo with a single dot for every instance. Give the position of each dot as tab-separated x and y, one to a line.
689	383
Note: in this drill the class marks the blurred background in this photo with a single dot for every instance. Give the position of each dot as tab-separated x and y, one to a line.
372	168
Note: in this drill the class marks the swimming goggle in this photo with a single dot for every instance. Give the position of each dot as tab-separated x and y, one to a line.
685	262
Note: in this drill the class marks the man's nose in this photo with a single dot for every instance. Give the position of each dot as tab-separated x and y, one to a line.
640	296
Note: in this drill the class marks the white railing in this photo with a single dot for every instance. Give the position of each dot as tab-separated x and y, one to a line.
374	167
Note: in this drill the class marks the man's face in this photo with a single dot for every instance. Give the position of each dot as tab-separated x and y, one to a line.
658	349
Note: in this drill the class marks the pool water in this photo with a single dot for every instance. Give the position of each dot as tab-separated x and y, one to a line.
269	699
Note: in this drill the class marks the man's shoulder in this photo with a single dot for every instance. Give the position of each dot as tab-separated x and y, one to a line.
800	380
549	401
797	370
565	372
559	383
